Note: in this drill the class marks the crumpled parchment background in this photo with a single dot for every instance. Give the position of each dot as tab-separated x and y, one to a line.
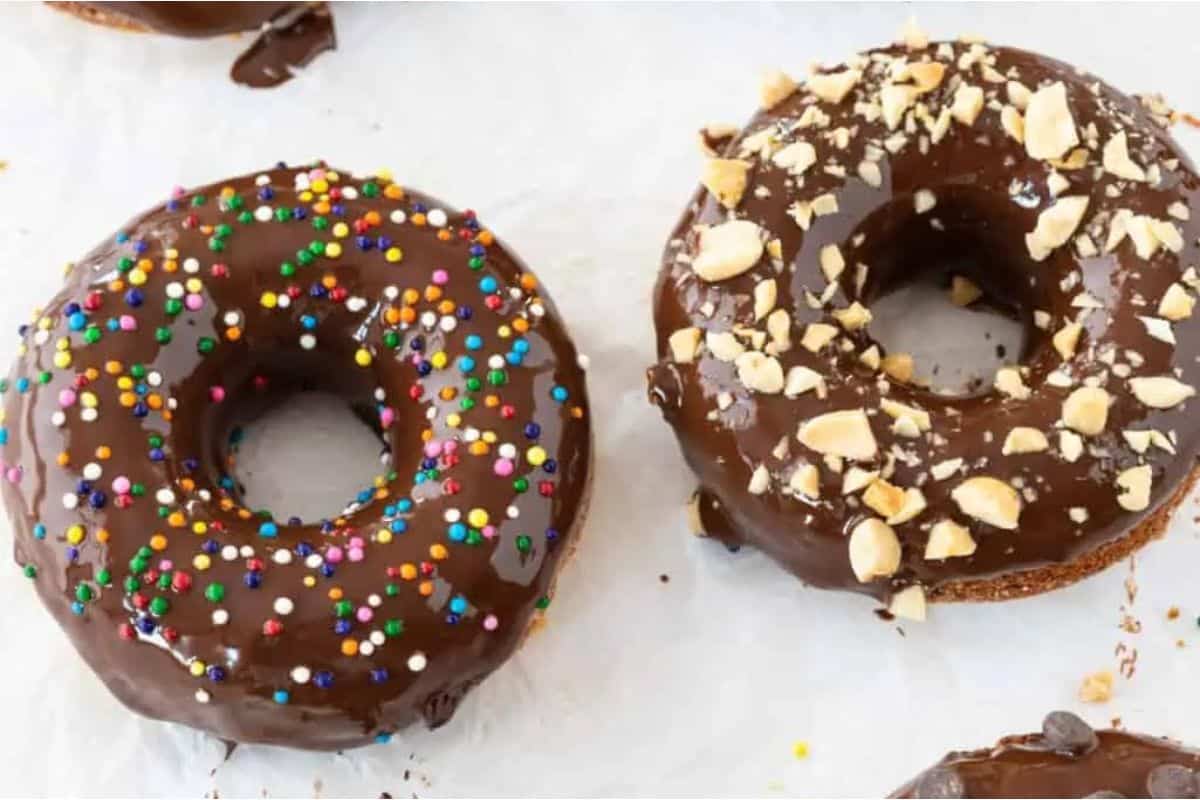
570	129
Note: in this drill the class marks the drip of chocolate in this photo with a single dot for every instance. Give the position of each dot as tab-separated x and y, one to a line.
1067	759
286	44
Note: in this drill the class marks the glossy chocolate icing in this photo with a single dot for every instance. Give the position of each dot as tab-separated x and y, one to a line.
989	194
408	309
291	34
1112	764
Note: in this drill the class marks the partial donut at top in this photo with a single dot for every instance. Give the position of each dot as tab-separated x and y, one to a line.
205	312
1067	759
1064	200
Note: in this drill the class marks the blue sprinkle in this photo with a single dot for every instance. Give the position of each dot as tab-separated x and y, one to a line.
323	679
39	531
532	430
521	346
308	321
559	393
76	321
282	696
398	526
458	604
22	385
253	580
465	364
268	529
77	608
342	626
487	284
474	341
457	532
404	505
383	737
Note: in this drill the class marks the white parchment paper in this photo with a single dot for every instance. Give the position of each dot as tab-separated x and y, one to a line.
570	129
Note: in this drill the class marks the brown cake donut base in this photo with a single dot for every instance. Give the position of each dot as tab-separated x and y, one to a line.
1042	579
99	16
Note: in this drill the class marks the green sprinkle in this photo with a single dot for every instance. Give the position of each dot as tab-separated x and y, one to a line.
30	571
160	606
214	592
393	627
104	577
521	485
206	344
173	306
524	544
162	335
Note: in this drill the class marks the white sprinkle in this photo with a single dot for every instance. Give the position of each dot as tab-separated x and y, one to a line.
374	600
202	696
58	419
92	471
356	304
41	337
583	361
154	378
448	323
452	515
282	556
220	616
508	450
429	319
365	648
284	606
436	218
89	414
175	290
301	674
417	662
512	512
378	638
308	341
70	501
262	180
191	266
283	301
398	217
164	497
496	362
264	213
232	318
391	292
313	561
247	551
229	552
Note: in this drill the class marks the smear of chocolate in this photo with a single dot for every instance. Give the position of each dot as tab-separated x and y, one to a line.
288	43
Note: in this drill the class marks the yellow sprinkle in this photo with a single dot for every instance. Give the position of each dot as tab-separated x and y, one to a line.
88	400
477	518
75	534
194	285
137	277
333	250
199	527
125	383
341	230
453	420
202	562
393	254
362	357
504	331
439	359
196	668
384	536
310	581
320	185
63	344
62	360
268	300
800	749
535	456
489	436
305	196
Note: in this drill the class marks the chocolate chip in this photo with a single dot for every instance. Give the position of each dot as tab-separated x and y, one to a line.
1104	794
940	782
1171	780
1066	732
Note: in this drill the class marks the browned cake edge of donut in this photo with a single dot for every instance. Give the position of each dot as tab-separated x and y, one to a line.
1045	579
99	16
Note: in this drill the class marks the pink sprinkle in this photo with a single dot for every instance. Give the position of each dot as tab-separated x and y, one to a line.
216	393
451	446
503	467
166	564
178	191
121	485
14	474
364	614
490	623
128	322
194	302
334	554
355	553
356	541
489	531
441	277
66	398
387	416
433	449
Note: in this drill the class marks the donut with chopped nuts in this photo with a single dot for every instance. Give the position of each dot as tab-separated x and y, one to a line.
1067	759
815	444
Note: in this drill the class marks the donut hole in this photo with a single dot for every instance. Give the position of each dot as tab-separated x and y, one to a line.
956	346
307	457
293	438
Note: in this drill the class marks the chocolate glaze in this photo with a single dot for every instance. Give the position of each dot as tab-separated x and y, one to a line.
292	34
1033	765
989	194
143	653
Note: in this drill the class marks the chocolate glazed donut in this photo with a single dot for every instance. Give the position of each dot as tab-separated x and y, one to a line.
291	34
1067	759
1048	191
201	314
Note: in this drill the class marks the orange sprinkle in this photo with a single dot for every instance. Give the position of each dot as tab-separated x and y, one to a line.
417	219
528	282
170	265
113	367
103	452
446	307
64	458
127	399
244	513
102	535
91	373
349	647
158	542
432	293
329	281
233	334
408	315
392	315
426	588
410	296
444	235
408	571
393	192
322	207
373	219
479	448
447	393
485	238
438	551
154	400
521	325
491	401
176	520
336	593
187	484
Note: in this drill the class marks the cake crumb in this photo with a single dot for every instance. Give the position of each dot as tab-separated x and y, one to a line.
1173	613
1097	687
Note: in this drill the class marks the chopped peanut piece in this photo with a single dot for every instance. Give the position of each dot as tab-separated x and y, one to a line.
806	481
685	343
834	86
760	372
1118	162
963	292
1055	226
898	366
728	250
948	539
1023	440
840	433
909	603
775	87
874	550
1160	392
989	500
725	178
1134	485
1086	410
1049	127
